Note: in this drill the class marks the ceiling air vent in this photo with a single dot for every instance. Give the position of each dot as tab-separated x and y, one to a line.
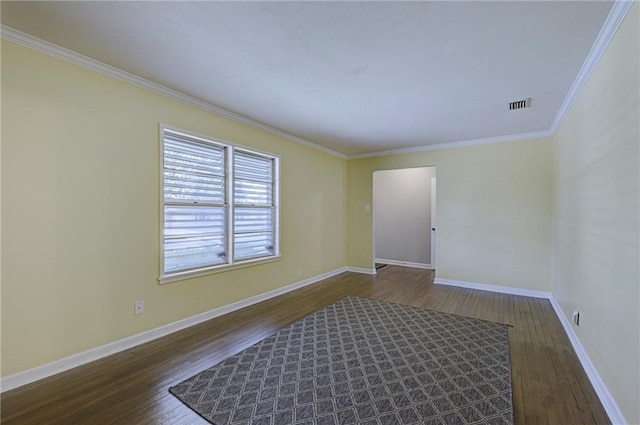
520	104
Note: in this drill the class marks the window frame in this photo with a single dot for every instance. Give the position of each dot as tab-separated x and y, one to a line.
244	206
229	177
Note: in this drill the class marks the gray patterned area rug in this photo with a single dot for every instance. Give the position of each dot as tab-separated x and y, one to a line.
362	361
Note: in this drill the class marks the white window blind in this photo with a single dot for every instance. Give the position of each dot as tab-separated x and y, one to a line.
204	217
253	206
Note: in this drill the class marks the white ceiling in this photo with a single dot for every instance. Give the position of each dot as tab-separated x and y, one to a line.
355	77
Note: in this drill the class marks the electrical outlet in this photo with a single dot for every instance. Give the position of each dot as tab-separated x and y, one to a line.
576	318
139	308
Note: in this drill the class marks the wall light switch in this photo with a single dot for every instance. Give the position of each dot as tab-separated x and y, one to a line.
367	207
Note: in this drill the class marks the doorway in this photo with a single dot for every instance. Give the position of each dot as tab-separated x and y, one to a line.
404	217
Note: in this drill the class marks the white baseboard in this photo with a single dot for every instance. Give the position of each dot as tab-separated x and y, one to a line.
361	270
40	372
404	263
22	378
607	400
493	288
609	404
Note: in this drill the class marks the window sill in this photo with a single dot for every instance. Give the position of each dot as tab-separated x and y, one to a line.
215	269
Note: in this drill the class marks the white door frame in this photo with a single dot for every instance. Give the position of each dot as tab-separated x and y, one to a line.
372	208
433	222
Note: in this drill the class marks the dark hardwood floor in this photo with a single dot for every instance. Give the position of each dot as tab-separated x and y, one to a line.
131	387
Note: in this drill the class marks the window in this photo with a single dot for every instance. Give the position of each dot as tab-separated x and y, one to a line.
219	206
253	206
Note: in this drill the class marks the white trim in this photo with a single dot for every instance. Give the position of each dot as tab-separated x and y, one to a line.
614	19
44	371
458	144
615	414
617	14
190	274
360	270
27	40
608	402
433	225
41	372
228	204
493	288
404	263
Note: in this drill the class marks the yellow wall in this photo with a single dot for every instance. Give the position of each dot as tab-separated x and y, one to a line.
80	211
493	211
596	216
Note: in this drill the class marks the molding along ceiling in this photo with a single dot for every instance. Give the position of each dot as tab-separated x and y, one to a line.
70	56
349	79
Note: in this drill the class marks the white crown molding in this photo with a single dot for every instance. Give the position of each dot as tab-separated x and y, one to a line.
608	402
460	144
404	264
617	14
609	28
26	40
23	378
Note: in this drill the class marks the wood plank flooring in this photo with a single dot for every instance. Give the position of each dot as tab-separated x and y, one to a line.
131	387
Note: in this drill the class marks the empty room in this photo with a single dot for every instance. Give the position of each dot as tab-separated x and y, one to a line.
322	212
